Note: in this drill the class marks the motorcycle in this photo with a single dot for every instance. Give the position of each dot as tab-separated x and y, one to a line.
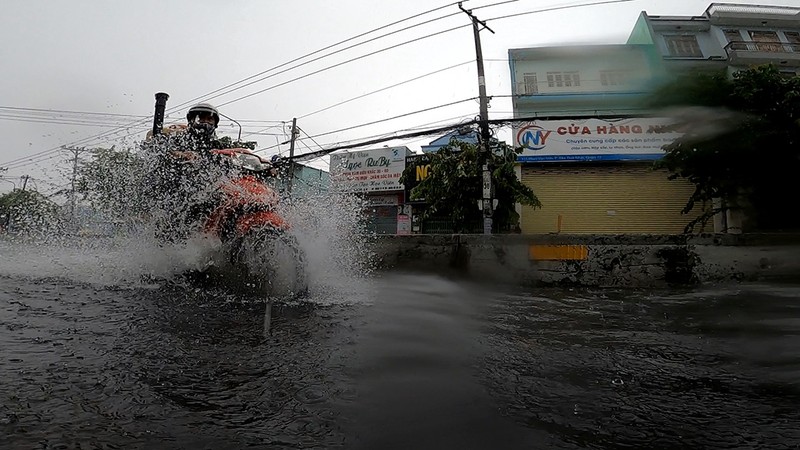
256	251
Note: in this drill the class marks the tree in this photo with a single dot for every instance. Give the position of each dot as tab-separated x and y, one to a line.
27	212
111	181
226	142
741	143
454	185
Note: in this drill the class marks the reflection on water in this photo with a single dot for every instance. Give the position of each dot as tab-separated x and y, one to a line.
398	361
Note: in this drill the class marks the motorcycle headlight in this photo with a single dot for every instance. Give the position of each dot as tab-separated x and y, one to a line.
250	162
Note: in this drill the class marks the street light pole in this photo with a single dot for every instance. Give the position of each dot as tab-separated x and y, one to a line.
483	122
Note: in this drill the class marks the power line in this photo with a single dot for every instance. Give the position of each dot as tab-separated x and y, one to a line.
465	120
343	63
395	117
556	8
39	157
384	139
493	122
142	121
206	96
27	161
312	139
383	120
329	54
386	88
495	4
57	121
175	108
62	111
77	120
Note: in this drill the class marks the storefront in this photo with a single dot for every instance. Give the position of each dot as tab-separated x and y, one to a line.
596	176
375	174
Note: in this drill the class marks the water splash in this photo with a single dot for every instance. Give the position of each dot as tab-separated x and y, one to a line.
330	230
126	196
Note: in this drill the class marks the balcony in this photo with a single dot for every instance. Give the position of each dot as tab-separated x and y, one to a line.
763	52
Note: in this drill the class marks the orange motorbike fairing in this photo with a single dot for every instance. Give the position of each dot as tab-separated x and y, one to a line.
250	202
259	220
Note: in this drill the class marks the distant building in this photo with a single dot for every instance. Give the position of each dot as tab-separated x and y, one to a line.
589	147
468	135
306	181
726	35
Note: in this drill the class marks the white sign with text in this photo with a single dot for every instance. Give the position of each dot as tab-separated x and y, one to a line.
369	170
640	138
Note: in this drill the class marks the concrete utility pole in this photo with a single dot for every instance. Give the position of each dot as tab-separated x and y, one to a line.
76	151
25	179
291	156
485	135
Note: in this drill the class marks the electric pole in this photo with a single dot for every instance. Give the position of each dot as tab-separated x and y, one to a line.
291	157
76	151
25	182
483	123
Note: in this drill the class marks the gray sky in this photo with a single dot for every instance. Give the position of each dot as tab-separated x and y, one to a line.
110	57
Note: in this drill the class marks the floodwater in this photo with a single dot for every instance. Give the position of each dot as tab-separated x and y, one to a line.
394	361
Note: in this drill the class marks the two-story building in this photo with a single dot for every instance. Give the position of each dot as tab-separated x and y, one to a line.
589	149
589	146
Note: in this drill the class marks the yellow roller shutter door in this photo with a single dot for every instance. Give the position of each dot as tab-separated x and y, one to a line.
625	199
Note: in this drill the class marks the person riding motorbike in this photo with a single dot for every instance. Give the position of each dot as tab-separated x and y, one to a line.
191	166
188	169
199	186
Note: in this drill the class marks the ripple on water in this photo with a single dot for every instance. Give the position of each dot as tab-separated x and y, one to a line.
174	367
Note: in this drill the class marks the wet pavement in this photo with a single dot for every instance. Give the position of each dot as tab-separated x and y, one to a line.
398	360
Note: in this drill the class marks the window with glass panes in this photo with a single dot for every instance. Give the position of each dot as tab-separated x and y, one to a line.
794	40
531	84
613	77
734	38
766	41
563	79
683	45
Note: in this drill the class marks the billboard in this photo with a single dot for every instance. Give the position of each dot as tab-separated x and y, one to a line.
421	165
594	139
376	170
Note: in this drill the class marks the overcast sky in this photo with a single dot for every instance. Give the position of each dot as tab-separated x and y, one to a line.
108	58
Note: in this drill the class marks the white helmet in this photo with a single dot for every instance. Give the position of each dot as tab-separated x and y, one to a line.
202	109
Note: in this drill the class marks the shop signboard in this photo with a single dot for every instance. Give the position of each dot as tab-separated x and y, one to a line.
377	170
627	139
403	224
382	200
421	164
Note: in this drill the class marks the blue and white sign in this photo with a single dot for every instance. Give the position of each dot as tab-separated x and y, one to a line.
627	139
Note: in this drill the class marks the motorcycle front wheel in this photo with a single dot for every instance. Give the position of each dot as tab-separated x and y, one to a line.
274	262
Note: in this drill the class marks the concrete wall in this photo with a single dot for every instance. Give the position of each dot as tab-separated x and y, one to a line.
613	260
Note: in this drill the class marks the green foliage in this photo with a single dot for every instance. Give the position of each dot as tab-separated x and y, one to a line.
110	181
226	142
741	142
454	185
28	212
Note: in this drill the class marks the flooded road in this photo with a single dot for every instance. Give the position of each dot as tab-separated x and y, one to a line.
398	360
